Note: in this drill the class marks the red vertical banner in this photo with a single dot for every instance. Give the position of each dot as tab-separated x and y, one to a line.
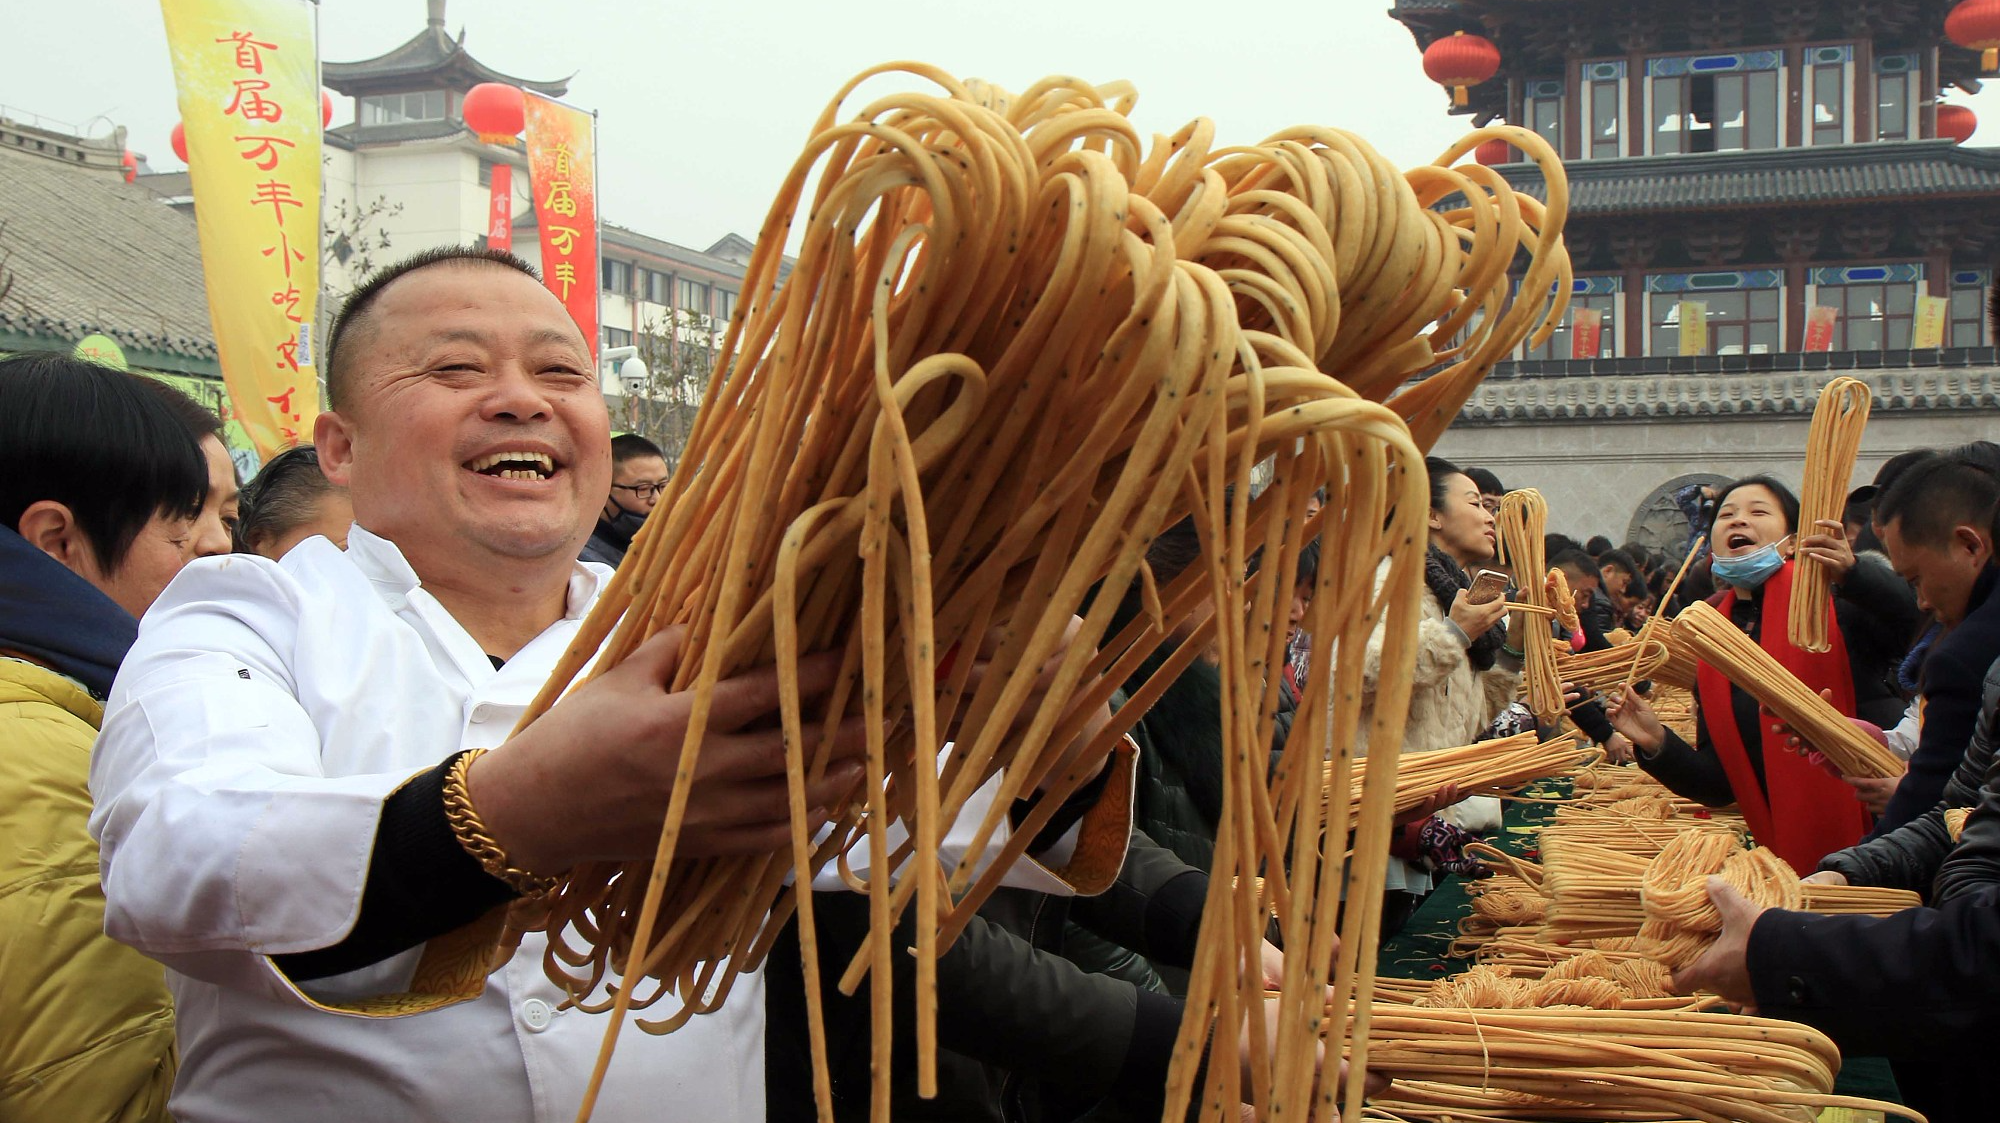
500	209
562	176
1586	332
1819	328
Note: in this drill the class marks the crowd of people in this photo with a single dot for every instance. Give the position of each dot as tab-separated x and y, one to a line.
269	839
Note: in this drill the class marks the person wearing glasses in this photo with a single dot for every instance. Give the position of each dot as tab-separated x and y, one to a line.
638	476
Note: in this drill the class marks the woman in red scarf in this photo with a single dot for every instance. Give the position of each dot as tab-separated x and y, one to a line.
1796	808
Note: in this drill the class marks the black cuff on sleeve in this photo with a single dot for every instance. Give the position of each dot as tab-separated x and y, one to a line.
1068	815
421	884
1590	718
1142	1079
1173	919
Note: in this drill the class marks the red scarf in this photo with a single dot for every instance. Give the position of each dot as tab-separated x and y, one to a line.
1809	813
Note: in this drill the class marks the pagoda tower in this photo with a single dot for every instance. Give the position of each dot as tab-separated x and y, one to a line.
1762	196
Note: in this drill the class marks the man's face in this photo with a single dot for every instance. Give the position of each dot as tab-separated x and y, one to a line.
1619	587
473	417
1942	574
636	484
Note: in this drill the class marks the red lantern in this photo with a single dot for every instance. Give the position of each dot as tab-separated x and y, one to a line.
1460	60
1494	152
179	140
325	109
496	111
131	165
1975	25
1957	122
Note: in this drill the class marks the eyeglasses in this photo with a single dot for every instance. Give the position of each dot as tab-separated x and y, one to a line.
643	490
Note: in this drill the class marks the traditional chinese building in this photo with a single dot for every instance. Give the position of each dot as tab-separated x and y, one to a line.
1762	196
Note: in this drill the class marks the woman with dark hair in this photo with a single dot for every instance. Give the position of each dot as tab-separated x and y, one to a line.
100	490
289	501
1465	674
1793	806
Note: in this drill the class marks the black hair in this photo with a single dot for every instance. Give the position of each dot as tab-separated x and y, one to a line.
1576	563
1439	470
1787	502
1485	481
283	495
354	313
1932	497
631	446
200	420
1621	561
1553	544
1598	546
101	442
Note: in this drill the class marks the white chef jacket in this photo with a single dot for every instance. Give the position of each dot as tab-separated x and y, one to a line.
254	731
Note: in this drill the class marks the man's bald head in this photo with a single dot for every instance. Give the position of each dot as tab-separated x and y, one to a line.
352	327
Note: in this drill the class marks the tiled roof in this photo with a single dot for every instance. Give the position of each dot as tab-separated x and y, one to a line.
1720	180
91	253
430	51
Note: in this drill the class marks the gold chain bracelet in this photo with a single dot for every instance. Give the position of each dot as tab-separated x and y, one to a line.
471	833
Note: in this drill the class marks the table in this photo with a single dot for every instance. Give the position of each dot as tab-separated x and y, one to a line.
1420	950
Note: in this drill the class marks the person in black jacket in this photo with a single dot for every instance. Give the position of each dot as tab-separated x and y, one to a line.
638	476
1936	521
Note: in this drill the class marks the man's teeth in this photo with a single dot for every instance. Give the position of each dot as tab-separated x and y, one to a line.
544	460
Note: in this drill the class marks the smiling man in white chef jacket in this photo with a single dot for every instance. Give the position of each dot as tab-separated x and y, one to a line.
271	775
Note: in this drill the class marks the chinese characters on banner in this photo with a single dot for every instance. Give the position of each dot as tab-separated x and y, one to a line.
562	177
1694	327
1928	332
248	79
1819	327
500	209
1586	332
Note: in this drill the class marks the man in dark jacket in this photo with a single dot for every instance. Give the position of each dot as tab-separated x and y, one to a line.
1936	521
638	475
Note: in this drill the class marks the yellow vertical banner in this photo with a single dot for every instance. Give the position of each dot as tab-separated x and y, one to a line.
248	79
1694	327
1928	332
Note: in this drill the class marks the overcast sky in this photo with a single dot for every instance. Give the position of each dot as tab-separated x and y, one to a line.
702	107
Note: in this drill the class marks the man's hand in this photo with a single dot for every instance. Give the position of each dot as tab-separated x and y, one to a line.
1633	716
1825	877
1830	548
1618	749
1375	1082
1055	763
1724	968
590	779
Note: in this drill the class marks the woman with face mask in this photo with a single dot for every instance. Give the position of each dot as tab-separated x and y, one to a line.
1797	808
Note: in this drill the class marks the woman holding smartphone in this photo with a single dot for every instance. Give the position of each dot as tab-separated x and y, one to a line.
1466	672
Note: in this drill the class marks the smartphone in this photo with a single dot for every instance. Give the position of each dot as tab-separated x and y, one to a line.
1489	585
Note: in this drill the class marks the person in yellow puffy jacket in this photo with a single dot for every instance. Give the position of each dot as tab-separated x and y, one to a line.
101	490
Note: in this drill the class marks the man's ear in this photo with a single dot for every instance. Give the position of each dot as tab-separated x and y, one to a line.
51	527
333	439
1975	544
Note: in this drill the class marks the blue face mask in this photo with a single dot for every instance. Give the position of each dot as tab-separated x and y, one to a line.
1750	571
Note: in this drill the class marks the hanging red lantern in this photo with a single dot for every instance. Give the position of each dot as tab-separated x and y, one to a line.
1460	60
1957	122
1975	25
130	164
179	140
1494	152
325	109
496	111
